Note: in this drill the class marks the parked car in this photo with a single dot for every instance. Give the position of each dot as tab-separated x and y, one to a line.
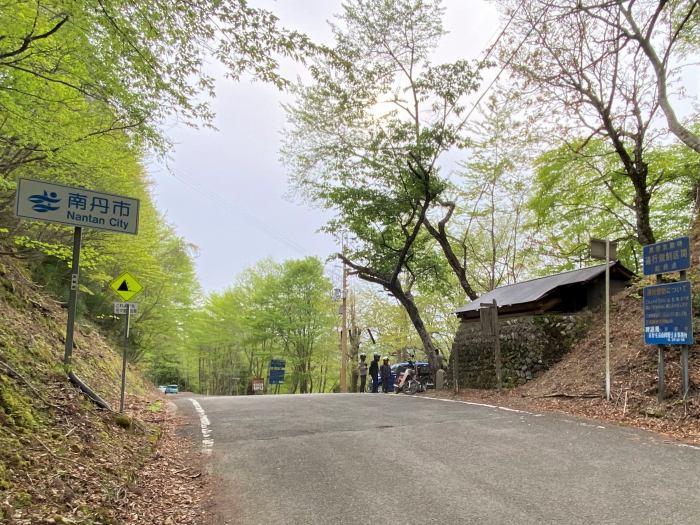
172	389
162	388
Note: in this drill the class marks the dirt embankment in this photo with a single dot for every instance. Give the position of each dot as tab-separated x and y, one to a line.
62	460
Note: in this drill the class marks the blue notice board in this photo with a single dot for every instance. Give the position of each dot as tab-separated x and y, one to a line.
668	314
276	372
667	256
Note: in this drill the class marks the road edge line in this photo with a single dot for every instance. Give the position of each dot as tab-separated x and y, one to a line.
207	440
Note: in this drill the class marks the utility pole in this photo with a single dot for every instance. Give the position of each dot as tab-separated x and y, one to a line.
344	333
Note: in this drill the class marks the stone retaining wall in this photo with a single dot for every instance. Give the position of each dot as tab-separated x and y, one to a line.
529	346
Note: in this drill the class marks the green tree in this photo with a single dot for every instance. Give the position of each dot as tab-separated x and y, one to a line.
70	71
666	32
562	227
366	134
596	88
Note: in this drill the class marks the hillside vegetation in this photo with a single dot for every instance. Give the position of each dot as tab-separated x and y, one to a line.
62	460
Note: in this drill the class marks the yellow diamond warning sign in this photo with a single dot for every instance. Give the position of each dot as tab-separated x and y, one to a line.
126	286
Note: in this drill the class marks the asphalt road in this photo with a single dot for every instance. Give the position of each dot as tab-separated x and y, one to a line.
363	458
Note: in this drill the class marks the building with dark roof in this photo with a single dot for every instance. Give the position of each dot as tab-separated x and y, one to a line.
564	292
539	321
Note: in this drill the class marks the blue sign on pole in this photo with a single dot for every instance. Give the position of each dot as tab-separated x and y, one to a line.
276	372
668	314
667	256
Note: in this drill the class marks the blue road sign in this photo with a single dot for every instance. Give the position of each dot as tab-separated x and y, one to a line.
667	256
668	314
276	372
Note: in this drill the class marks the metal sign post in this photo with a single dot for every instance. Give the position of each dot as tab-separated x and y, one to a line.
78	207
607	320
73	294
125	286
606	249
127	318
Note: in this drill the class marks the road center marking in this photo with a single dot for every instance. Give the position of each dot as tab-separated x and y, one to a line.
207	440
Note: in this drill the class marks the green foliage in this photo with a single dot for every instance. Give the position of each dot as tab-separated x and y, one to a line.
366	134
15	411
580	194
273	310
72	71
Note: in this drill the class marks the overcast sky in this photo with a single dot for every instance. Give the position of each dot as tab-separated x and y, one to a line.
225	191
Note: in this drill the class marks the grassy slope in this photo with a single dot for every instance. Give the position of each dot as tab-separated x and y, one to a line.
59	456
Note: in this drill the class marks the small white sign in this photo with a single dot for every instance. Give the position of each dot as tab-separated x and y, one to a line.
121	308
73	206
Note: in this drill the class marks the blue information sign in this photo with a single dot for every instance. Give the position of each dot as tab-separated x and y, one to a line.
667	256
276	372
668	314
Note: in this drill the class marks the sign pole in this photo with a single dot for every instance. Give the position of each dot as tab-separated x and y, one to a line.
73	295
662	380
684	357
126	348
607	319
661	394
344	334
684	370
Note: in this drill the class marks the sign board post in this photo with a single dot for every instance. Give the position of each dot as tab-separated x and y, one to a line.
668	316
276	373
125	286
606	249
126	350
77	207
73	294
258	385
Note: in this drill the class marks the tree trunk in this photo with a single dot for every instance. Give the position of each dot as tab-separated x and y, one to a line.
440	235
642	197
409	305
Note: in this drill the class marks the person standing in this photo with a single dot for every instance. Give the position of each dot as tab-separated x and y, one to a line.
362	372
386	375
374	372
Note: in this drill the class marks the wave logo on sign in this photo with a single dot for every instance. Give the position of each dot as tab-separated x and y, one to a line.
45	202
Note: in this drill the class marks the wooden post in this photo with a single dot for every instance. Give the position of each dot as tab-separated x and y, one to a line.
662	379
497	344
684	371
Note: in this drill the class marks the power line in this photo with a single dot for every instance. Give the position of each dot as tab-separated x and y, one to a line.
253	220
507	62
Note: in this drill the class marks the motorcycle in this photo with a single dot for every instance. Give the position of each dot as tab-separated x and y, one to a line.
410	382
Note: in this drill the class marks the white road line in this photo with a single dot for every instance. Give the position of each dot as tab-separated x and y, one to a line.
480	405
207	440
579	423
